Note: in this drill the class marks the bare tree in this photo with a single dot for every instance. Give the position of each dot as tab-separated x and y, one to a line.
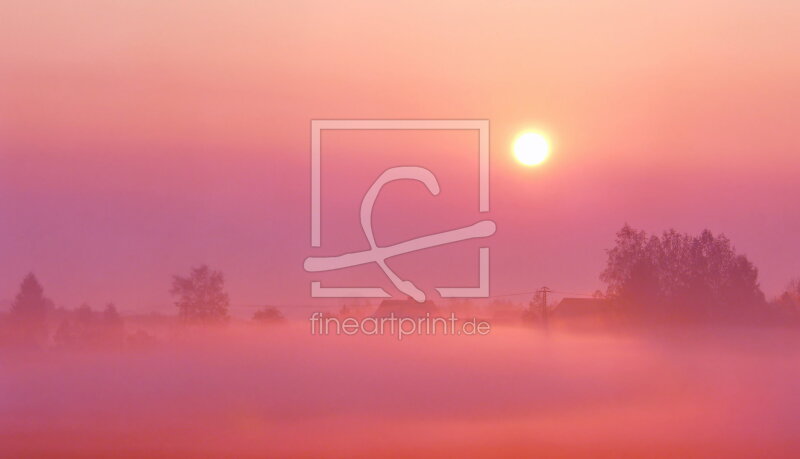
201	295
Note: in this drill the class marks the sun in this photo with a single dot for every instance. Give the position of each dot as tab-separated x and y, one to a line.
531	148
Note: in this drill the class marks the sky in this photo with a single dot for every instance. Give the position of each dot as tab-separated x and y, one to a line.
138	139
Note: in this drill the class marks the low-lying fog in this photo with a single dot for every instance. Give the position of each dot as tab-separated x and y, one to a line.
249	390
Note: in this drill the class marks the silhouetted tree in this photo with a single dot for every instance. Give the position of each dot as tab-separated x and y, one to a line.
84	328
268	314
680	275
788	302
29	310
113	326
141	339
111	317
201	295
537	311
78	330
66	334
84	314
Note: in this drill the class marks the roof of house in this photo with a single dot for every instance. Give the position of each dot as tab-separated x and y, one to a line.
405	308
575	307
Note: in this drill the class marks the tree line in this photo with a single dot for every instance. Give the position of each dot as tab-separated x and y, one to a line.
200	298
671	276
680	276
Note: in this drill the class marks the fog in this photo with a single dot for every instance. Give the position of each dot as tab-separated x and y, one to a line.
247	390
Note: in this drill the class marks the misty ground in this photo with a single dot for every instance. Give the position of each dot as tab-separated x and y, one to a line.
248	390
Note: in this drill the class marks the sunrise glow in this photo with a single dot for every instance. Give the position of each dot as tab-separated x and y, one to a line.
531	149
461	228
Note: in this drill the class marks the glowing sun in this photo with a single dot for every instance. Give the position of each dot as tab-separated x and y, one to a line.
531	149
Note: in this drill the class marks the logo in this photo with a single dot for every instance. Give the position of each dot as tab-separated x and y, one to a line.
379	254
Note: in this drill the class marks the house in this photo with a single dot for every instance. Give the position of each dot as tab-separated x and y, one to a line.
583	312
406	308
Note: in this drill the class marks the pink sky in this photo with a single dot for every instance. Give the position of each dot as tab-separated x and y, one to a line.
140	138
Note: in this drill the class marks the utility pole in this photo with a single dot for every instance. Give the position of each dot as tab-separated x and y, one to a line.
543	292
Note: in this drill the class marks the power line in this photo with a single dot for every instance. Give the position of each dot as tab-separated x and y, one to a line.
501	295
531	292
574	293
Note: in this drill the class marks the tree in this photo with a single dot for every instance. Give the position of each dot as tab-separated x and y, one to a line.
680	275
84	328
538	310
29	309
201	295
111	317
789	301
84	314
269	314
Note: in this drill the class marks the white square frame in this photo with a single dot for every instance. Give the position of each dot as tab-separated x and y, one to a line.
317	126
